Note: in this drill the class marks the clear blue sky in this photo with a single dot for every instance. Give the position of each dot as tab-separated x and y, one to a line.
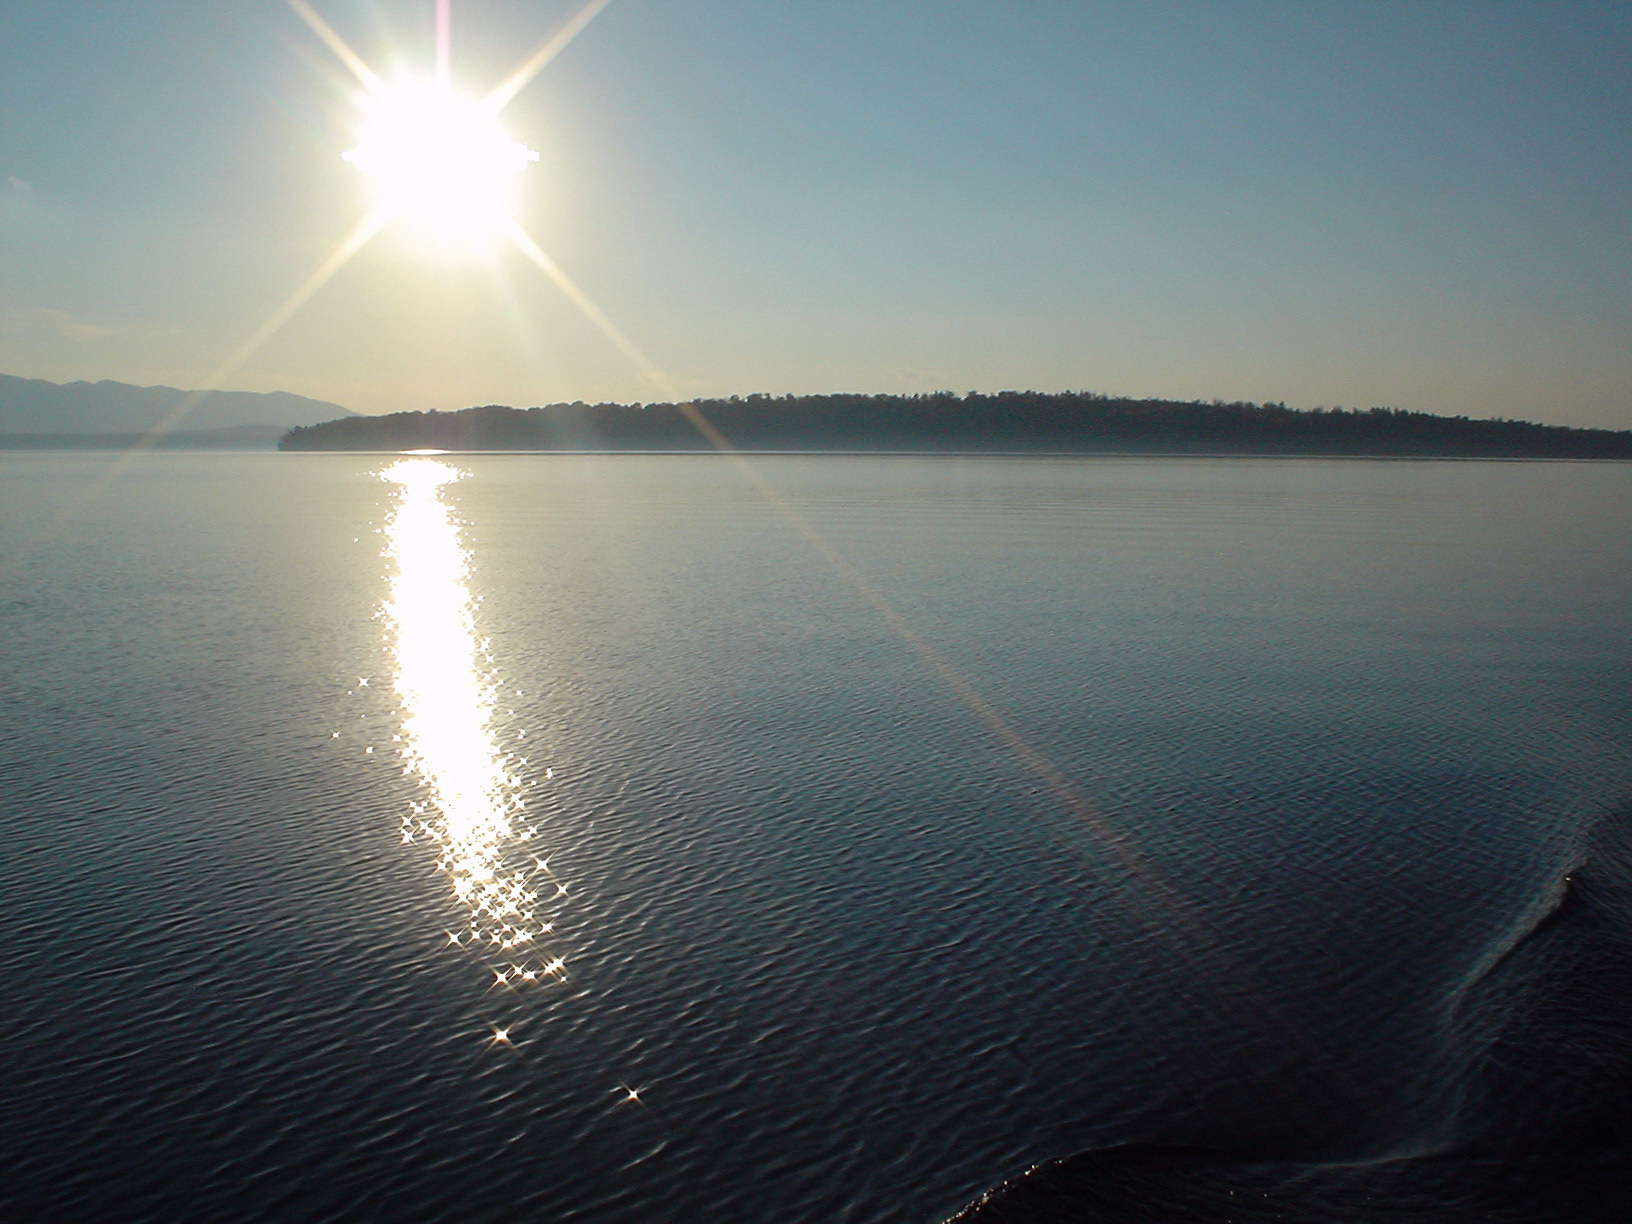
1419	204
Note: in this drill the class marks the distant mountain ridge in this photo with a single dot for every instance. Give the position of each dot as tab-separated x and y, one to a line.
34	406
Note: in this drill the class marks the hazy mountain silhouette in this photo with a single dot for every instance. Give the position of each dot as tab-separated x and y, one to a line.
34	406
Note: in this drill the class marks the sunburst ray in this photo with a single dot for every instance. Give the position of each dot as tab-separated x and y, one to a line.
354	241
525	244
335	43
507	89
444	41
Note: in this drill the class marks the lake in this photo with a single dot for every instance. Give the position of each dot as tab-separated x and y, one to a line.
807	838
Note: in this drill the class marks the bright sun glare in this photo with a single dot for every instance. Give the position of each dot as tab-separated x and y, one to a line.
440	159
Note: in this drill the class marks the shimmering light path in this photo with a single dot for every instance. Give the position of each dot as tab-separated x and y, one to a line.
473	811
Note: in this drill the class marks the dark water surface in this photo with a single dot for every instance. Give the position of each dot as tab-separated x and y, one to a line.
1057	804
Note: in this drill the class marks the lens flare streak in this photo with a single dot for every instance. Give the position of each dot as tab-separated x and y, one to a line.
530	67
473	811
336	44
525	244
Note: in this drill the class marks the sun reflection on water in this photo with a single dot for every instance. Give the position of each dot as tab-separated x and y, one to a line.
474	813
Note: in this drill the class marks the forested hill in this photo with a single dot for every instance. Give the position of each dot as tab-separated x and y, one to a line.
1009	421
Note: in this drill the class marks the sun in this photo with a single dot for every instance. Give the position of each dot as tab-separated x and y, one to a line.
439	158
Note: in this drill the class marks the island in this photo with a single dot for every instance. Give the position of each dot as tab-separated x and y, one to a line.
1006	422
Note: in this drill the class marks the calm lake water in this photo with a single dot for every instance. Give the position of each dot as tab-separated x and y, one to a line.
637	838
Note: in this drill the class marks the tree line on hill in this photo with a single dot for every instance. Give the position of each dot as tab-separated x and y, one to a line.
1007	421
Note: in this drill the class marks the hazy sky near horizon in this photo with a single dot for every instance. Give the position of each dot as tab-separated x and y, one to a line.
1417	203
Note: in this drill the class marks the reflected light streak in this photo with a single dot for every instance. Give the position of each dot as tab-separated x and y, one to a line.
448	706
473	813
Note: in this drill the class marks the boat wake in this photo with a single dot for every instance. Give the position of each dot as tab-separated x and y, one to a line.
1531	1121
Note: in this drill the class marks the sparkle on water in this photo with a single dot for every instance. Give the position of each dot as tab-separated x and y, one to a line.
472	812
